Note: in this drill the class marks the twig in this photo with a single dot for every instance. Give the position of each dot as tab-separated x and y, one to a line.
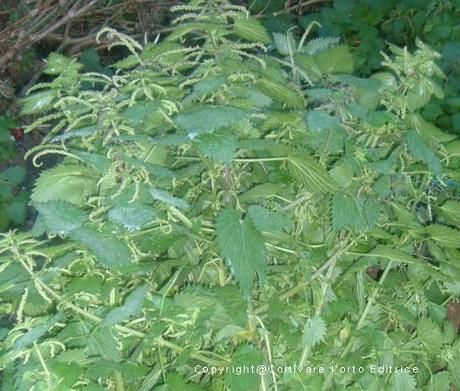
298	6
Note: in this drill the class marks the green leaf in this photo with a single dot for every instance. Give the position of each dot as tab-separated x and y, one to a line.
168	198
103	344
132	305
218	146
422	152
454	369
445	236
280	92
285	43
402	381
60	217
268	221
132	217
314	331
359	214
430	335
35	333
450	210
72	183
38	102
14	175
320	121
307	171
242	245
207	119
251	29
320	44
393	254
176	383
57	63
244	356
110	251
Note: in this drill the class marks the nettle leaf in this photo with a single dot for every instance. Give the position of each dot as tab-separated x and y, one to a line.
245	356
421	152
280	92
174	382
132	217
393	254
67	182
60	217
320	121
35	333
251	29
314	331
38	102
307	171
445	236
207	119
168	198
355	213
319	44
132	305
218	146
110	251
450	210
430	335
269	221
242	245
402	381
285	43
102	343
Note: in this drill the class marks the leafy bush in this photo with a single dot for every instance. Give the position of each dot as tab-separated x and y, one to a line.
13	199
368	24
220	206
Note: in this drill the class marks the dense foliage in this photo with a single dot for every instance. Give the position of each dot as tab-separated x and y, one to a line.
230	197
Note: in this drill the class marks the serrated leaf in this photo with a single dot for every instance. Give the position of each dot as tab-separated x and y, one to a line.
280	92
168	198
268	221
67	182
57	63
311	174
319	44
38	102
242	245
402	381
321	121
421	152
110	251
430	335
33	334
445	236
285	43
244	356
132	305
207	119
359	214
60	217
102	343
450	210
132	217
251	29
218	146
393	254
314	331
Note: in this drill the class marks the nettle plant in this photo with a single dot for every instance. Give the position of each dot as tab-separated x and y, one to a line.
225	199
